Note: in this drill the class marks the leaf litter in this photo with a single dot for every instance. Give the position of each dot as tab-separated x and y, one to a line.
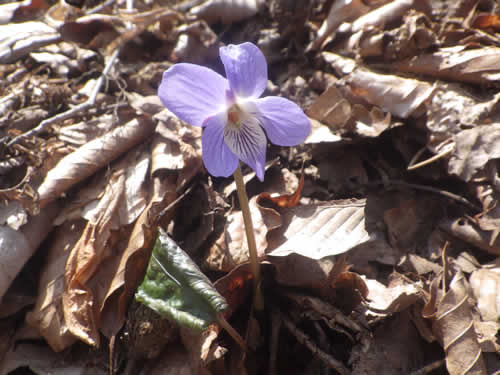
382	257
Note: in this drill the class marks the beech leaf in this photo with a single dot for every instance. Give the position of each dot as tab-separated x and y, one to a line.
175	287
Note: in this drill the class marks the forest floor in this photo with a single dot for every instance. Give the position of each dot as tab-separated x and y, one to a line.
377	237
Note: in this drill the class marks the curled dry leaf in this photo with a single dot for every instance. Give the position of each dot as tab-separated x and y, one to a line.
469	232
462	110
231	249
129	270
285	200
412	37
340	11
388	13
485	285
477	66
332	109
454	327
19	245
226	11
382	300
79	299
473	149
94	155
21	11
19	39
399	96
47	316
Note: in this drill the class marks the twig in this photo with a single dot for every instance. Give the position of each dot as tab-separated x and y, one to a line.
445	193
315	350
429	368
412	166
232	332
79	108
99	7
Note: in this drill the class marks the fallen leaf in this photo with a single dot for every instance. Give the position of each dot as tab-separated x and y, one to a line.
397	95
85	161
453	325
485	285
286	200
382	300
47	316
317	231
473	149
226	11
19	246
231	248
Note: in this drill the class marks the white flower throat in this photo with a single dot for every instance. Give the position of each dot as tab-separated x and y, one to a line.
243	133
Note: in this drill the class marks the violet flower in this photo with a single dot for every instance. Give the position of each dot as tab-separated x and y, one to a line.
231	111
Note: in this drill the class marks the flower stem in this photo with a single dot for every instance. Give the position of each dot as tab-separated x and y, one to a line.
252	247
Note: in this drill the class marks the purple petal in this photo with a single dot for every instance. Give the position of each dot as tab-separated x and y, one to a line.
246	69
217	157
248	142
193	93
284	121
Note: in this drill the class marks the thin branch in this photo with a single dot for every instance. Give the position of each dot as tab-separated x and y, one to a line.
431	189
305	340
73	111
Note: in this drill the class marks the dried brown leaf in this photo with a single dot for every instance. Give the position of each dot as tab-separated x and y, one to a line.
456	63
485	285
19	39
128	271
399	96
473	149
317	231
94	155
231	249
385	301
340	11
388	13
89	253
454	327
21	11
18	246
226	11
47	316
469	232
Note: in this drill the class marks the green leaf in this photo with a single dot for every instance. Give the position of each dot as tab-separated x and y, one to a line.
175	287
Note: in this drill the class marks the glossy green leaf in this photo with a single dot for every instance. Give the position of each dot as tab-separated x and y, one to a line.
175	287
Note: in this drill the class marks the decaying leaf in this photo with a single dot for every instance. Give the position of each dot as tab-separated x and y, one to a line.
397	95
92	156
340	11
388	300
47	317
19	39
485	285
453	325
175	287
317	231
456	63
285	200
474	148
18	246
470	233
226	11
231	249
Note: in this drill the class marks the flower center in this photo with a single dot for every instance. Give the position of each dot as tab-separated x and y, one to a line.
235	116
